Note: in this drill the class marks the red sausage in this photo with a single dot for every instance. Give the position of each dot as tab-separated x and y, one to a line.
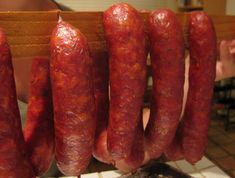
174	151
39	129
100	79
13	160
101	91
100	149
73	99
202	48
132	161
136	157
124	30
167	60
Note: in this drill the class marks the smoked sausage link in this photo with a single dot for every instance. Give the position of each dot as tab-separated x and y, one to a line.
39	129
136	157
73	99
14	162
101	91
174	151
167	61
202	48
124	31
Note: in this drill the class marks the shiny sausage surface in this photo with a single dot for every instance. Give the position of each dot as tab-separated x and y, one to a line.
167	62
126	41
73	99
202	48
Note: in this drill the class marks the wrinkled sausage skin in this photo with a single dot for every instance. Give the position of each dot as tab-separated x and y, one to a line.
167	62
202	48
126	41
73	99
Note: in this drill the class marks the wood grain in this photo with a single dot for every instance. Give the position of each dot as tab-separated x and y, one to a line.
29	32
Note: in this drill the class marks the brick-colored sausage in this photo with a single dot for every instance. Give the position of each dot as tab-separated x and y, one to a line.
100	149
39	129
174	151
73	99
133	161
136	157
202	48
124	30
100	79
167	60
14	162
100	152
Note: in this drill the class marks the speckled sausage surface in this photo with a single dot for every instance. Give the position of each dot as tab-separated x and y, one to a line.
133	161
167	61
136	157
73	99
202	48
39	129
13	159
124	31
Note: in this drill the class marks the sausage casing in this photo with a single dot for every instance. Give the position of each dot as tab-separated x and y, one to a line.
39	129
126	41
73	99
167	61
14	162
202	48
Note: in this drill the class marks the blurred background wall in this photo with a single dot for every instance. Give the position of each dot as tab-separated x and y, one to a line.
210	6
230	7
101	5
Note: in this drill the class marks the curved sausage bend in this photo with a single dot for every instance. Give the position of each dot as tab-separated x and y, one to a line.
133	161
100	152
174	151
101	91
13	159
136	157
202	48
124	31
167	60
73	99
39	129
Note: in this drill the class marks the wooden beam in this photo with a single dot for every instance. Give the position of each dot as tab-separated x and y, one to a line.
29	32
